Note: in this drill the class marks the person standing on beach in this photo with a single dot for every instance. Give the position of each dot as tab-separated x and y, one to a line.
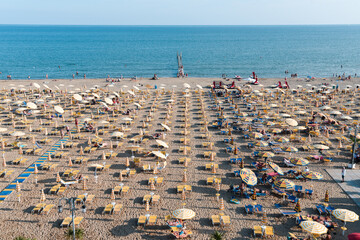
76	122
343	173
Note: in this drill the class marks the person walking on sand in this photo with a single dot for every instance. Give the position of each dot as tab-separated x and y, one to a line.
343	173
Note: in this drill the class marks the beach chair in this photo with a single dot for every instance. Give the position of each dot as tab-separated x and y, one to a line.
117	189
125	190
108	209
89	198
309	192
142	220
293	199
78	220
249	209
66	222
117	209
329	209
285	213
55	189
61	190
38	208
257	231
47	209
215	219
321	209
225	221
298	188
155	199
152	220
269	231
258	208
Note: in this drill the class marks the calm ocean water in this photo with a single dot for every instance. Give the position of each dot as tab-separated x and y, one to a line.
208	51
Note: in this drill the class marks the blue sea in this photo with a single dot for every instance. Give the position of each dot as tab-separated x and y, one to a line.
208	51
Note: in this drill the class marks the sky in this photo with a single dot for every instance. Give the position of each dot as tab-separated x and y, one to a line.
179	12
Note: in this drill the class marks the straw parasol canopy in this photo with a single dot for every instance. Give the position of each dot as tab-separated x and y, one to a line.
313	227
276	168
183	213
162	143
345	215
248	177
312	175
284	183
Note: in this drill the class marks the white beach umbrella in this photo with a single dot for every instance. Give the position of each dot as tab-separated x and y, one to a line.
109	101
31	105
59	109
36	85
77	97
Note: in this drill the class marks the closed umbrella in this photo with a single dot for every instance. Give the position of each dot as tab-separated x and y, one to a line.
42	197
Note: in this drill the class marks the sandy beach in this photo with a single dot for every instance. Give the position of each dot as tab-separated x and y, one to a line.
16	218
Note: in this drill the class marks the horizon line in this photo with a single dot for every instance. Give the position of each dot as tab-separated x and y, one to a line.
181	25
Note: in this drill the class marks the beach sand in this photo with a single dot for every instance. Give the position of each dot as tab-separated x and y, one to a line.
16	218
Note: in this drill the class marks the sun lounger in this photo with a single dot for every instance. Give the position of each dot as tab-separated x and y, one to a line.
321	209
225	221
269	231
66	222
38	208
293	199
155	199
285	212
61	190
152	220
215	219
329	209
249	209
117	209
89	198
257	231
47	209
78	220
55	189
142	220
108	209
